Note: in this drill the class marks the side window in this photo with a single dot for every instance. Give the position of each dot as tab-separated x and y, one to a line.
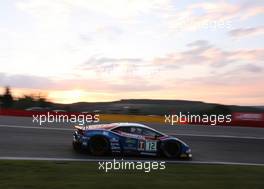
122	129
136	130
148	132
131	130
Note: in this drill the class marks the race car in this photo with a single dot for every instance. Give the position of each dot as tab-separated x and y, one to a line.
128	139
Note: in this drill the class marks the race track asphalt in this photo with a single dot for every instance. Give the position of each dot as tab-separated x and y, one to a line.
22	139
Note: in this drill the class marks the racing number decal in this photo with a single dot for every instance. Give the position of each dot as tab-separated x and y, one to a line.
151	145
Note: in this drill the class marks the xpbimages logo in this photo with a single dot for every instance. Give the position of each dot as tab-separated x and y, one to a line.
204	118
145	166
81	119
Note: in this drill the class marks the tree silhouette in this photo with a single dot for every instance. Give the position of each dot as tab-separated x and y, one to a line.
7	99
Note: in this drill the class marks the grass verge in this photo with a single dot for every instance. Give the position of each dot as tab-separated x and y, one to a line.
46	174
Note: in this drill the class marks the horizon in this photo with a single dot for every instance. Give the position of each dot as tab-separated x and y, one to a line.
101	51
124	99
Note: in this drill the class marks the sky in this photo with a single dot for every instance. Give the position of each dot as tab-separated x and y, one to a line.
104	50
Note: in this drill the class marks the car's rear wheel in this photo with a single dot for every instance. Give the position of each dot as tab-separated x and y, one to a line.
99	146
171	148
76	146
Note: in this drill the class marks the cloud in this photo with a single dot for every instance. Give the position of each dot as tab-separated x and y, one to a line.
121	13
211	15
202	52
104	65
94	85
116	69
199	43
252	68
118	9
103	60
50	13
252	10
242	32
239	85
26	81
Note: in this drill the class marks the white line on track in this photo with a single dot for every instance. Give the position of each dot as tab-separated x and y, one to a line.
171	133
109	160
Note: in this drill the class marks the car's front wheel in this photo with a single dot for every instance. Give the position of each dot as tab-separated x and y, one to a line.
171	148
99	146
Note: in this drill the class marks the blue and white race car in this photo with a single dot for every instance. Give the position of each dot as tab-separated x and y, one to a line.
128	139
